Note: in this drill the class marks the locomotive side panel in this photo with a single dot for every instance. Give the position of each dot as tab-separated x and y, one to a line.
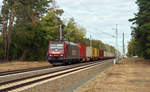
72	51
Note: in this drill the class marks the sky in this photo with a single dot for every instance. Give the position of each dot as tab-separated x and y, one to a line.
99	18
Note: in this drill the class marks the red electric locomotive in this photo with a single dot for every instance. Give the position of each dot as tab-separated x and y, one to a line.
63	52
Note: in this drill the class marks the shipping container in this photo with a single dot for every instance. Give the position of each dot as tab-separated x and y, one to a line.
97	52
88	52
109	55
101	54
93	52
105	54
82	49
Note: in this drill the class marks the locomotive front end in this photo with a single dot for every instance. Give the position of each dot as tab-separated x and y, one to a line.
56	52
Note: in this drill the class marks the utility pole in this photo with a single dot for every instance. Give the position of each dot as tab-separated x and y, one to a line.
117	42
123	48
90	41
60	30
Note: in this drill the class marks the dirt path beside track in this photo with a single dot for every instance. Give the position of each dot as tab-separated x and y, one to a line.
130	75
16	65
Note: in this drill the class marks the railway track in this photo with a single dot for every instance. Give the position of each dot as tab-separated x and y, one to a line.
24	70
13	85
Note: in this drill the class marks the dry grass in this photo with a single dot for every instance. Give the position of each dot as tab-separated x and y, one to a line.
21	65
130	75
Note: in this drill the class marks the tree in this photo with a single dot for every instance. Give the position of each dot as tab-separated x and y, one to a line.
74	32
1	49
132	51
0	23
141	30
25	14
27	19
5	12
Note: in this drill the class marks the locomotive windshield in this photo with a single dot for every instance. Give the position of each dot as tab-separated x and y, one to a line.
56	46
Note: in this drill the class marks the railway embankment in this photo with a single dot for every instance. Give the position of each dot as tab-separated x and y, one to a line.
17	65
130	75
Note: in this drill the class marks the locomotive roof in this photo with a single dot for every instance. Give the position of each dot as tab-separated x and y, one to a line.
65	42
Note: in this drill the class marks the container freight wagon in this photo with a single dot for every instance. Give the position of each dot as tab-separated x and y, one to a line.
82	51
88	53
112	55
101	54
108	55
95	53
63	52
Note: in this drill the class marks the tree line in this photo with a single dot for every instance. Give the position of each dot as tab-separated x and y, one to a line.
140	42
28	26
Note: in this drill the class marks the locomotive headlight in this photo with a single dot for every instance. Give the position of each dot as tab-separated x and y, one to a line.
50	55
61	55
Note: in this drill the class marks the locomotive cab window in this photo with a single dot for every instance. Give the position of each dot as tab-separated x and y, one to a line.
56	46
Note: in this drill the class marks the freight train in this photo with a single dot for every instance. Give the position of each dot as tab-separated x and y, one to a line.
64	52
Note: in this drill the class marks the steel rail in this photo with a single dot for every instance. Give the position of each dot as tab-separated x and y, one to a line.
24	70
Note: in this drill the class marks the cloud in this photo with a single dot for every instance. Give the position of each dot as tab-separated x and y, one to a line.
97	15
0	5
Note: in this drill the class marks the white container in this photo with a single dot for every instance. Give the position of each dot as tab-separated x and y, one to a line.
105	54
88	52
